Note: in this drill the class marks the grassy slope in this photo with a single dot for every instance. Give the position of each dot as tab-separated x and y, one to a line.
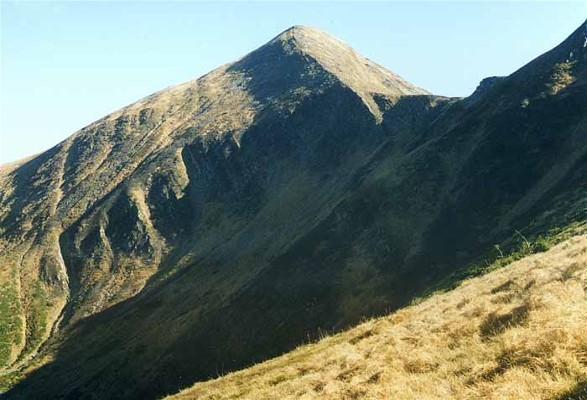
517	332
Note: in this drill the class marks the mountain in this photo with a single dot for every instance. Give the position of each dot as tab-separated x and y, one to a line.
297	190
515	333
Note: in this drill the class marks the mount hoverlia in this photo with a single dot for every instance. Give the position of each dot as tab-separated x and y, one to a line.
298	190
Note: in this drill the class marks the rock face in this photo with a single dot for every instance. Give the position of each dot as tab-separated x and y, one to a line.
303	187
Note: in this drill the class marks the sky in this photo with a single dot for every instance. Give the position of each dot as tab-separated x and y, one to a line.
64	65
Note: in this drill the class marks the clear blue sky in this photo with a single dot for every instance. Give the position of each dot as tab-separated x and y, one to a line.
66	64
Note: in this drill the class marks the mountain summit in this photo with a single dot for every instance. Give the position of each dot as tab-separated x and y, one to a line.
297	190
357	72
362	75
306	57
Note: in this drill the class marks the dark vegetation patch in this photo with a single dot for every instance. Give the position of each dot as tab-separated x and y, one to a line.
347	374
495	323
504	287
579	392
375	377
362	336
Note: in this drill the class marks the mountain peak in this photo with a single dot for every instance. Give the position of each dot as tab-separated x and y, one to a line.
300	29
363	76
301	33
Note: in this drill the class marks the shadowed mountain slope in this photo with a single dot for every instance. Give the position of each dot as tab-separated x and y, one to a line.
303	187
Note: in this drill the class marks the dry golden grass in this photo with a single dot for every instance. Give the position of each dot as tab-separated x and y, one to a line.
516	333
561	77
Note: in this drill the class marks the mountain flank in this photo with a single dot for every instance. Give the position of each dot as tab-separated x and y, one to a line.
297	190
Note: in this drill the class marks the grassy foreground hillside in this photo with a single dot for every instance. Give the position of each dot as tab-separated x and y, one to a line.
516	333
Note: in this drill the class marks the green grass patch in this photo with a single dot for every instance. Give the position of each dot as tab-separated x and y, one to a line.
10	322
37	317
